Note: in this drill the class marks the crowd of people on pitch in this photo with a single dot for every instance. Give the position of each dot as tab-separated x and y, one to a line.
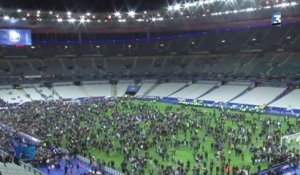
134	130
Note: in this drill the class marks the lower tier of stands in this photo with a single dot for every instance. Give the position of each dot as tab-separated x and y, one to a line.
239	95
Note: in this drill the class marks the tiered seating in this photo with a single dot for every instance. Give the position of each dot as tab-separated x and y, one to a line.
121	89
259	96
13	169
193	91
224	93
67	92
144	89
33	94
166	89
143	65
290	101
98	90
47	93
13	96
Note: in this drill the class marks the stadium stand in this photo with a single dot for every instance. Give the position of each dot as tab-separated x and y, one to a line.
165	89
13	169
47	93
265	94
70	92
14	96
289	101
193	91
224	93
121	89
146	86
33	94
98	90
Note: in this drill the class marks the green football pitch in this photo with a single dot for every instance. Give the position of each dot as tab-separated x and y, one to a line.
185	153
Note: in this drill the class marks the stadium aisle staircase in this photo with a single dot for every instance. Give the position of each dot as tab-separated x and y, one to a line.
151	89
187	85
242	93
209	91
284	93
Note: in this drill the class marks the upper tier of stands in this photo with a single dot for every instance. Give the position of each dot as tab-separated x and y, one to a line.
244	64
227	52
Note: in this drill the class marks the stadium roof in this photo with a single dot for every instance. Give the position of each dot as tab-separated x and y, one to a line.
174	16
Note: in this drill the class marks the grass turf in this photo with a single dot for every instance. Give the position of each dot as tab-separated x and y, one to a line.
186	153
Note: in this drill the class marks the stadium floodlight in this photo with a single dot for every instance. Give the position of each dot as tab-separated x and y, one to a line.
177	7
28	14
38	12
122	20
6	18
145	12
187	5
117	14
88	14
59	20
140	20
19	10
69	13
170	8
82	20
50	12
131	13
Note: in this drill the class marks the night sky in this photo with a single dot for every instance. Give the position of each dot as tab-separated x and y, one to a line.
86	5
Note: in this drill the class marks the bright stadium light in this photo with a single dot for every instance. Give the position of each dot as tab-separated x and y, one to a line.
117	14
50	12
170	8
88	14
19	10
69	13
131	13
6	18
72	20
187	5
122	20
82	20
177	7
59	20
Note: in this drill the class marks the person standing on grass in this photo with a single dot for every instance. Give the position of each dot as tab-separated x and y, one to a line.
228	169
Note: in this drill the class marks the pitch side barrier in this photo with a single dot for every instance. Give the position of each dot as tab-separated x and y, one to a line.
228	106
283	168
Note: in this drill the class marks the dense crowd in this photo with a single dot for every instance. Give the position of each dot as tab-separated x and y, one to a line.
133	129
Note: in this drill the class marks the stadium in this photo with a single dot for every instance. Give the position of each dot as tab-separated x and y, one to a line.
200	87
